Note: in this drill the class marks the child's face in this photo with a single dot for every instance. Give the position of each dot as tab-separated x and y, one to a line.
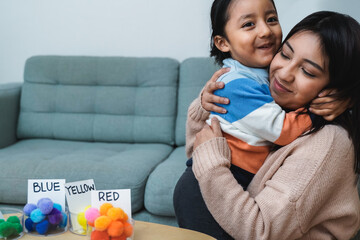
253	32
299	71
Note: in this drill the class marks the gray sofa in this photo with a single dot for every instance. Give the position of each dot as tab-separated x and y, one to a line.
118	120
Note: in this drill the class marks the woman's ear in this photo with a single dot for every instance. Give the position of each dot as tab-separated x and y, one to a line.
221	43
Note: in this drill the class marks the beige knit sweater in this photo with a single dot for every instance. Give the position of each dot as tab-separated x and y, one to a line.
305	190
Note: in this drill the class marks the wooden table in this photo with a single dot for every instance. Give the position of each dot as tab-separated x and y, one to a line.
143	231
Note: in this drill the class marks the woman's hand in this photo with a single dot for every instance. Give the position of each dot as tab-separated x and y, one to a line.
327	106
208	98
208	132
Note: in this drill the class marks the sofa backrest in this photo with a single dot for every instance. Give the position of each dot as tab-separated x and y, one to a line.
110	99
194	73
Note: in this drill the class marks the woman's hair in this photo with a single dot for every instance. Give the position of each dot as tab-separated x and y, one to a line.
219	17
339	36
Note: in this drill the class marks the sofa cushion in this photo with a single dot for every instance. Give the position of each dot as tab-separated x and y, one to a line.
194	73
161	184
109	99
111	165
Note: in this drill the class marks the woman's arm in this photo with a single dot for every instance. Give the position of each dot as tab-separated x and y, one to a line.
307	187
199	109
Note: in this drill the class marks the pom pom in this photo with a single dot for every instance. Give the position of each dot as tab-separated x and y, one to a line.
37	216
18	227
7	229
29	225
115	213
115	229
55	216
42	227
99	235
82	220
124	217
102	223
63	222
13	219
104	208
45	205
2	220
91	224
122	237
128	229
57	206
28	208
91	214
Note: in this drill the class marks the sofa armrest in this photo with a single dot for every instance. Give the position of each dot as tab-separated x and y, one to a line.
9	111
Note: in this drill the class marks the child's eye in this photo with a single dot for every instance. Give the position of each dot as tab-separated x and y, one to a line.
248	24
307	73
273	19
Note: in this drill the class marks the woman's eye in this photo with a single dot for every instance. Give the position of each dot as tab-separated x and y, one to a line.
248	24
283	55
307	73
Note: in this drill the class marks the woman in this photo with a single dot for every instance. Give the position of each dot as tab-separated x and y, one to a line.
307	189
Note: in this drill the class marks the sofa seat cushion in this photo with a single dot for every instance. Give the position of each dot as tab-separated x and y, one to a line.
111	165
161	184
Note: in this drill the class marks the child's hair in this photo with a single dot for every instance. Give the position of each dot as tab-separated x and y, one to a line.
219	17
339	37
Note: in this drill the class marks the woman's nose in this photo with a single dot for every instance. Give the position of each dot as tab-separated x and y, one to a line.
286	73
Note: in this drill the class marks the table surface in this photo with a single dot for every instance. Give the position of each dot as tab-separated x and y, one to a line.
143	231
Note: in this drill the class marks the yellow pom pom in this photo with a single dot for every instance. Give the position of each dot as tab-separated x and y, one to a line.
87	207
102	223
82	220
104	208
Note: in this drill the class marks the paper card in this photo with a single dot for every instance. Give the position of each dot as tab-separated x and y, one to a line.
46	188
78	195
118	198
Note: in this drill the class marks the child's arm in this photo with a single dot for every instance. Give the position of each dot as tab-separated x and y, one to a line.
200	108
328	106
253	116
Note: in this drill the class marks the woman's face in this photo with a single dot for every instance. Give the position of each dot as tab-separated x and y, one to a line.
299	71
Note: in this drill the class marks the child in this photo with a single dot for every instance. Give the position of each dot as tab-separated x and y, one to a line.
246	34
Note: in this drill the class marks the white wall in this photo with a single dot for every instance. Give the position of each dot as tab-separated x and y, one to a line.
166	28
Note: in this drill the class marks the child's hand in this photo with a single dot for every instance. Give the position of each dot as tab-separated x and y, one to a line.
208	98
328	106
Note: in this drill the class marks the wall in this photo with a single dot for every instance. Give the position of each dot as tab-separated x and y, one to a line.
166	28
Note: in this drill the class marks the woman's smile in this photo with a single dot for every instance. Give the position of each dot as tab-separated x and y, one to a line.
279	88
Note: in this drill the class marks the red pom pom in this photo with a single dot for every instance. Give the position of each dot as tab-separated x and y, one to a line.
122	237
99	235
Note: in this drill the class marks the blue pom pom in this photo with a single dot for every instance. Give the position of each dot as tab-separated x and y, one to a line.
37	216
28	208
63	223
55	217
45	205
57	206
42	227
29	225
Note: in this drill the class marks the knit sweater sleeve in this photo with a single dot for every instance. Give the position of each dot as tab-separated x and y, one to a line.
311	188
195	122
